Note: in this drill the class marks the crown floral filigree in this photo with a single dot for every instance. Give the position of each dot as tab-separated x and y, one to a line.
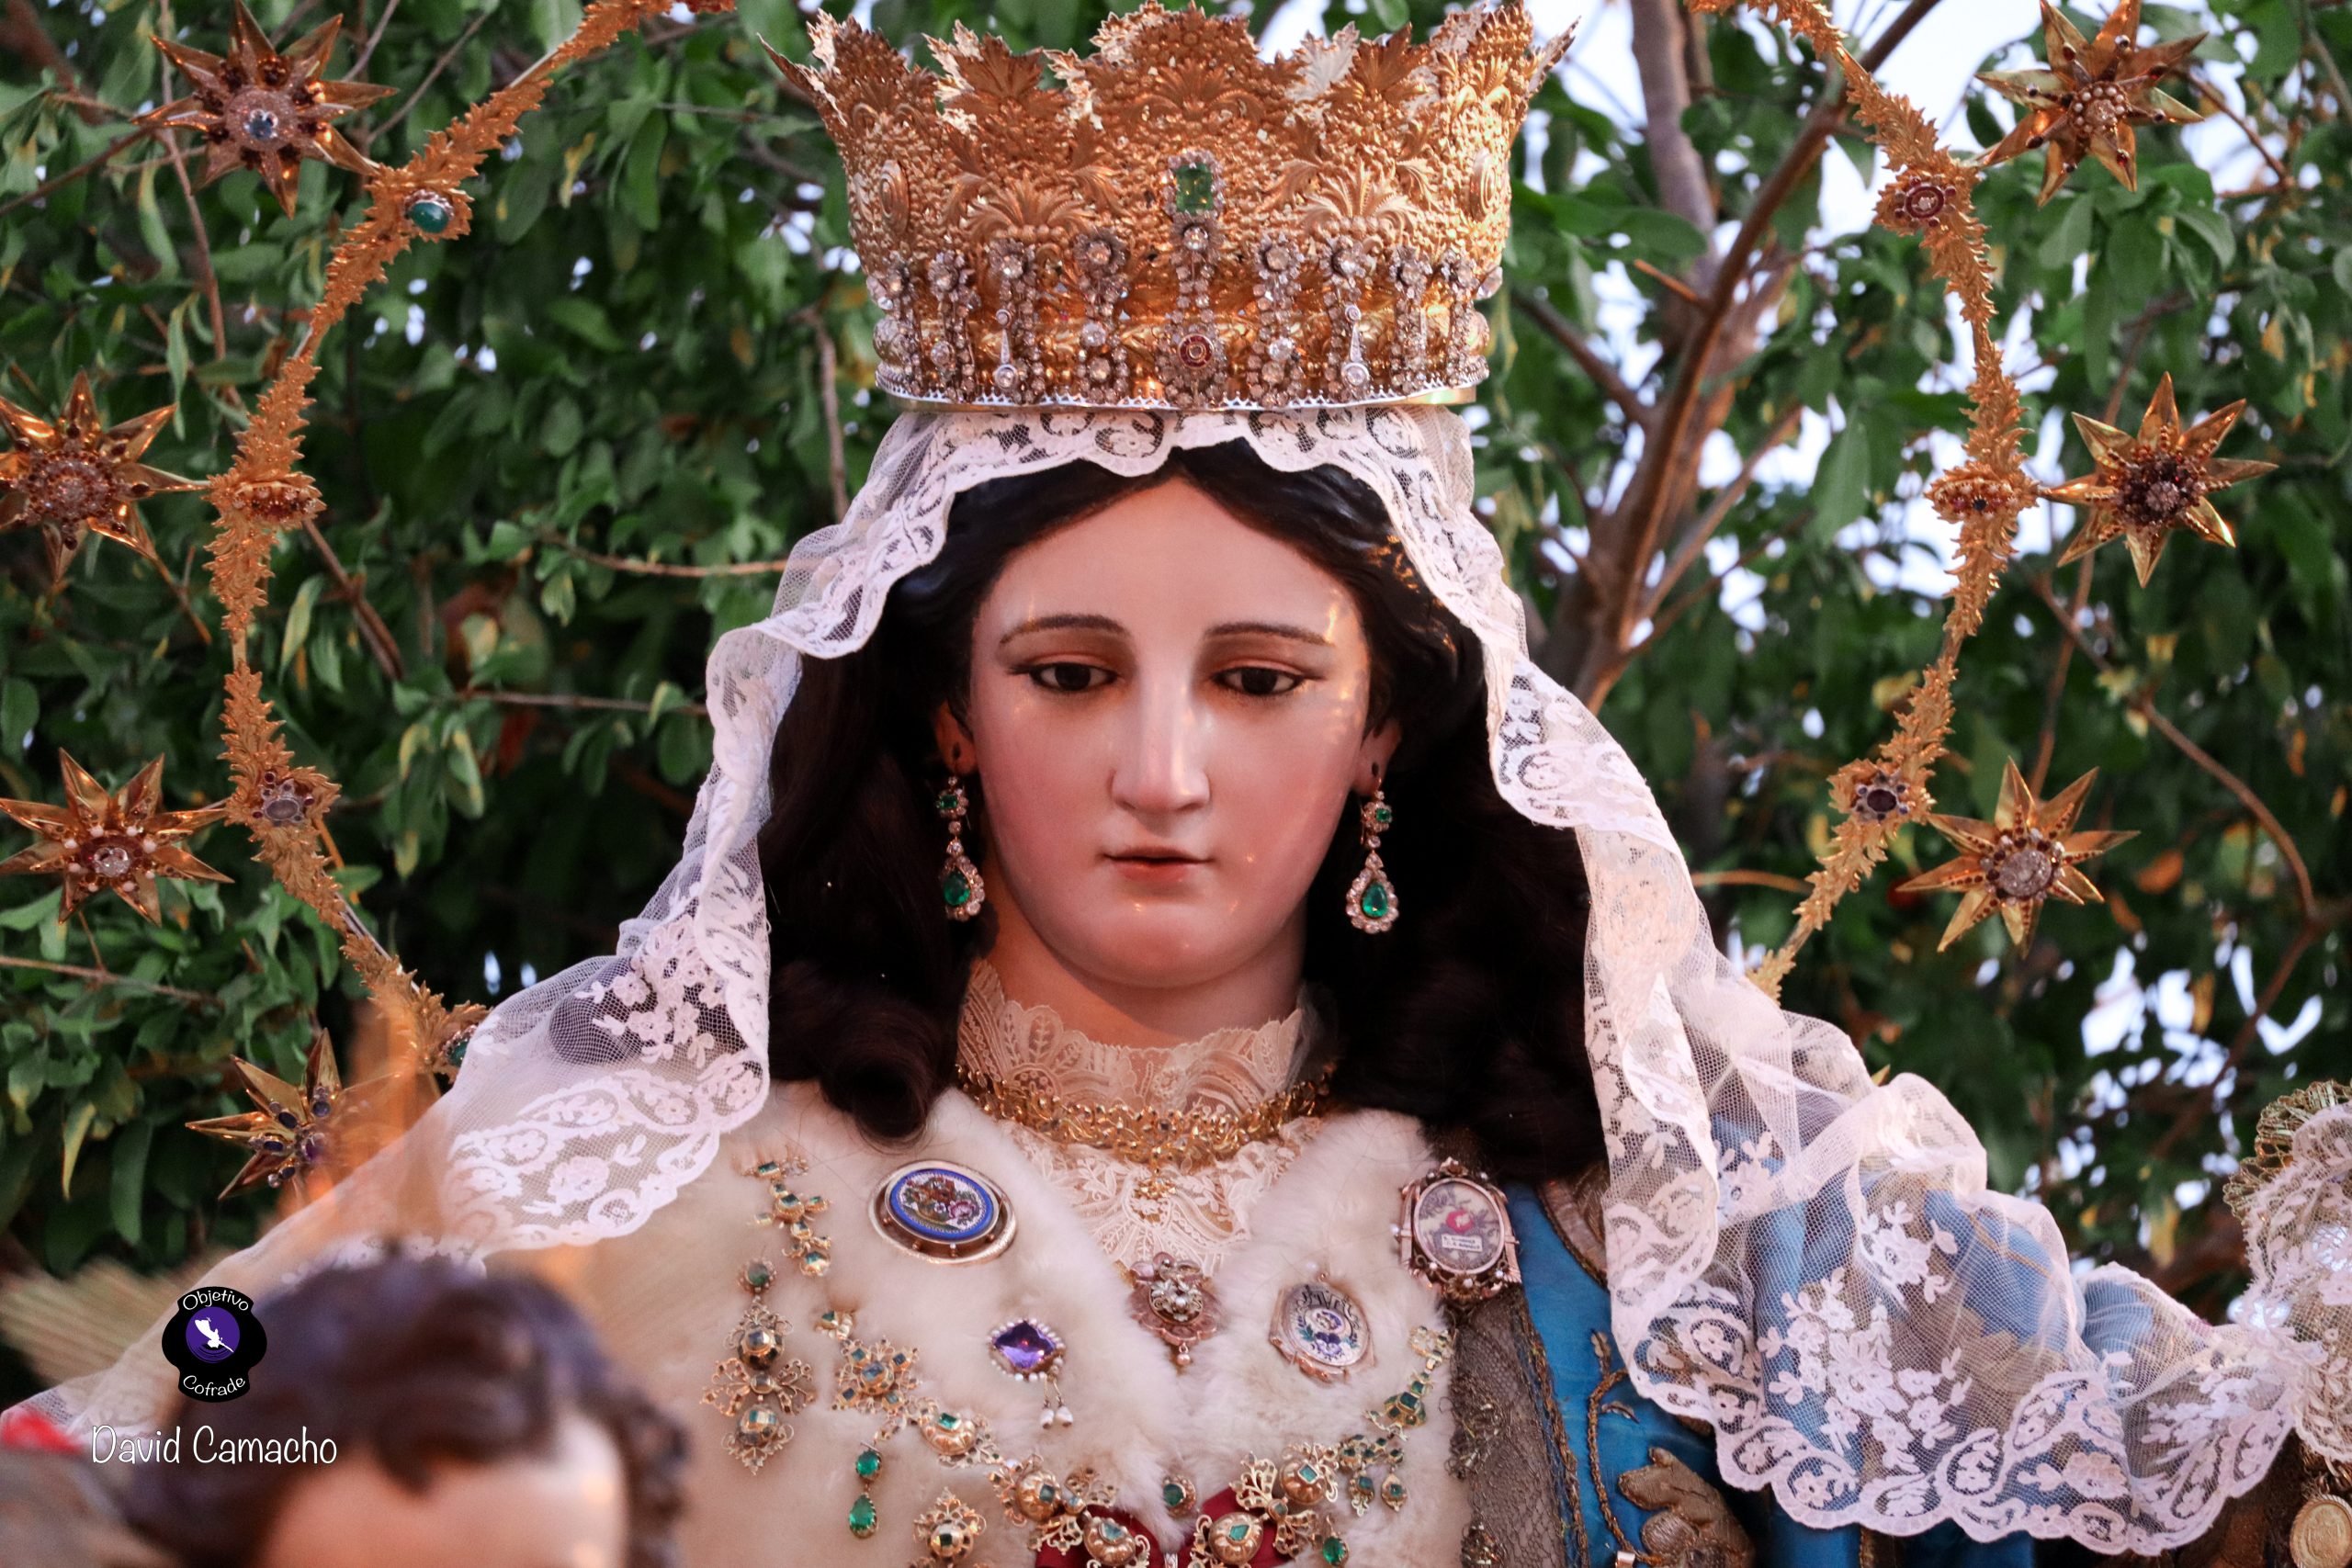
1173	221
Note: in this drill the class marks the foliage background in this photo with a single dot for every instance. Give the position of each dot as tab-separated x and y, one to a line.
560	456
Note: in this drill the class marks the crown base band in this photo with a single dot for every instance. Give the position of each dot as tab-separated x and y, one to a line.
1439	396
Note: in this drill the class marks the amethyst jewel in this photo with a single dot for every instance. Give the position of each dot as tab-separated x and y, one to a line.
1027	1349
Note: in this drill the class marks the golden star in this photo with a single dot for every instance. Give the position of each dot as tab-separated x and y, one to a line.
2019	859
80	474
263	111
120	841
2141	488
2091	94
294	1129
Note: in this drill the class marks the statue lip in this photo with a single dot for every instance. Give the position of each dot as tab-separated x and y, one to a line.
1155	865
1156	854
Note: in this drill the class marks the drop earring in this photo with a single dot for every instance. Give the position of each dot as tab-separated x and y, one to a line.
961	891
1372	898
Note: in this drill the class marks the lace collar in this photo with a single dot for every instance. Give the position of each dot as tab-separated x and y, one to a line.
1227	1069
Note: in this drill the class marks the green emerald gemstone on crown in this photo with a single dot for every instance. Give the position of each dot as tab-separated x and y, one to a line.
956	889
759	1277
1195	187
869	1464
861	1518
1373	900
1172	1495
1335	1551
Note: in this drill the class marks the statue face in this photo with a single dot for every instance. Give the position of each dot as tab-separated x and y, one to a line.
565	1508
1167	713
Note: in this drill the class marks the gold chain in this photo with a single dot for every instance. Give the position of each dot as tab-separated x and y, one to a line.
1182	1140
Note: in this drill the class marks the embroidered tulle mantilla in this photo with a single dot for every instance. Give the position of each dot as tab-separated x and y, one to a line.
1134	1210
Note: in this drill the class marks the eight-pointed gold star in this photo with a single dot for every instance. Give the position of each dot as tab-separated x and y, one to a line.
122	841
266	111
295	1129
2015	862
2141	488
2089	96
80	474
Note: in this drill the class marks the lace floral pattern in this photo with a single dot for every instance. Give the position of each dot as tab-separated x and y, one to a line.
1809	1262
1134	1211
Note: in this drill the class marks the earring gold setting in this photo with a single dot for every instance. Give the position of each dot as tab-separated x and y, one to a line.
961	892
1372	898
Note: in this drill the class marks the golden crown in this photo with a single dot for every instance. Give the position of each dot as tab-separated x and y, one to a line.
1174	221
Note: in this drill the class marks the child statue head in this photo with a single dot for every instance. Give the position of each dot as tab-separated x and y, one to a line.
472	1421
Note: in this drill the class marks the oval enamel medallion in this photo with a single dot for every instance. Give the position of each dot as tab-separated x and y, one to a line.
946	1212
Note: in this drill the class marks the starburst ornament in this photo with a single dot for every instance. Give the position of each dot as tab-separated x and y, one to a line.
294	1129
2019	860
265	112
2144	488
78	475
120	842
2089	96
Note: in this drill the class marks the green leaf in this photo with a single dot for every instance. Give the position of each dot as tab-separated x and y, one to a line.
587	318
2213	228
130	1177
639	189
464	773
19	711
2072	236
77	1128
298	619
1841	484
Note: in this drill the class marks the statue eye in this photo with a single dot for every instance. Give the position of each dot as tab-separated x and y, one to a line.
1067	676
1260	681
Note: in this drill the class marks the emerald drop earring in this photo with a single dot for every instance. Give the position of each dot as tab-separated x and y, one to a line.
1372	898
961	891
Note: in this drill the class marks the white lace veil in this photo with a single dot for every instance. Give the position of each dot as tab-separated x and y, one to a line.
1810	1264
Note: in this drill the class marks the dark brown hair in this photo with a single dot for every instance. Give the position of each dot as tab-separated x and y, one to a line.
1467	1013
417	1363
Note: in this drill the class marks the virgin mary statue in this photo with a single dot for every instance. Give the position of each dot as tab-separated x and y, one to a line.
1172	1042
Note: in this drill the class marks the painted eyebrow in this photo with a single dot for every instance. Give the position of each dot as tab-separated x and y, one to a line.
1270	628
1062	623
1076	622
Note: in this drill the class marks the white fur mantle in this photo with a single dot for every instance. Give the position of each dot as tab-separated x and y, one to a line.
666	1297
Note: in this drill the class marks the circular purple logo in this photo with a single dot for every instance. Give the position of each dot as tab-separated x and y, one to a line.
213	1336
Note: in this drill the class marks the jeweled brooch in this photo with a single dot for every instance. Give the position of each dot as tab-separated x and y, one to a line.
1455	1231
1320	1330
948	1213
1175	1301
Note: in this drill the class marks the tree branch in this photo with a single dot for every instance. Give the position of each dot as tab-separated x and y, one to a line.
574	700
1641	515
1687	554
665	569
1603	375
2306	896
1683	188
109	977
377	635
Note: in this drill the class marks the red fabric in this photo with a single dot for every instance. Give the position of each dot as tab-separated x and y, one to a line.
25	1429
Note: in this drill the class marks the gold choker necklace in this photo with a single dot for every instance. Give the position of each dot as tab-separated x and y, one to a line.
1180	1140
